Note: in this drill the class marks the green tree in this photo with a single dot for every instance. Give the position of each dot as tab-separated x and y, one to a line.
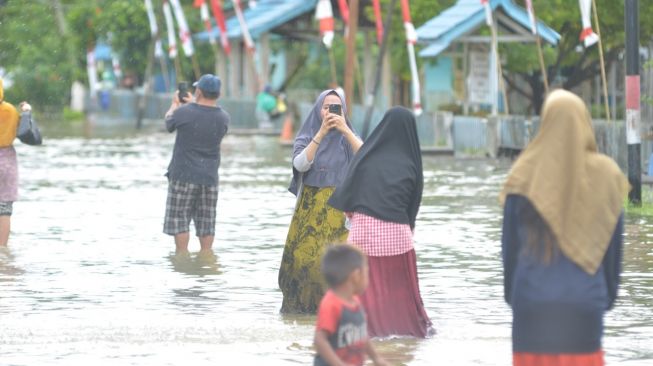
33	53
566	66
44	43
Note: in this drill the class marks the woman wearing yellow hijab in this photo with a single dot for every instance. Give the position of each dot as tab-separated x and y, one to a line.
561	242
9	118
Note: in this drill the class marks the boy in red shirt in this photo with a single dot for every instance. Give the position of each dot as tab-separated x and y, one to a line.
341	332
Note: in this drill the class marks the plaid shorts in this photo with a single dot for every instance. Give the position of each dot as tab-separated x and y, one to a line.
186	202
6	208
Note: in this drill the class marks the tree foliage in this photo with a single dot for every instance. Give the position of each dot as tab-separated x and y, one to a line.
35	51
569	64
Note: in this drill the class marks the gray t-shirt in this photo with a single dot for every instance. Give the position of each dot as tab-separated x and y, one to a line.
196	155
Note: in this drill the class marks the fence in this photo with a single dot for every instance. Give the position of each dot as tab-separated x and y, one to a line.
461	135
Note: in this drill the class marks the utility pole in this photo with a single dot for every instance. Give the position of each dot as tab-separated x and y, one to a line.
351	55
633	116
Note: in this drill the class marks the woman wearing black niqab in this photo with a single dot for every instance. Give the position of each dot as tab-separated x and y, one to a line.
381	195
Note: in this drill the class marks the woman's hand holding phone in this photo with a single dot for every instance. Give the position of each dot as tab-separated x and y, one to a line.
338	122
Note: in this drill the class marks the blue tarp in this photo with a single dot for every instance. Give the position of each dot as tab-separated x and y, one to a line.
267	15
467	15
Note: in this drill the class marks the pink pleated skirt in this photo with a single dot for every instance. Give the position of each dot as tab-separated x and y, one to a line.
392	301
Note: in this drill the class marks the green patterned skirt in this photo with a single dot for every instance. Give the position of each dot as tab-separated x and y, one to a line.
314	226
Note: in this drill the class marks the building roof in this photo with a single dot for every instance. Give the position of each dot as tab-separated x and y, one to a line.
466	16
267	15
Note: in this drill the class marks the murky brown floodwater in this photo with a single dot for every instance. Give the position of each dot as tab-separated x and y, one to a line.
90	279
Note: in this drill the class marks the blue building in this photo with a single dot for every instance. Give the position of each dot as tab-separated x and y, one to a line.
459	56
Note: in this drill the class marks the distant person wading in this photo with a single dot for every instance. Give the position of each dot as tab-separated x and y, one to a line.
323	148
193	170
9	119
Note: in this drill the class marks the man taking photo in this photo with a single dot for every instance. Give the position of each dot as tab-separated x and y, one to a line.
193	170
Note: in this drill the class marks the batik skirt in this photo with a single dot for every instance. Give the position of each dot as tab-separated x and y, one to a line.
314	226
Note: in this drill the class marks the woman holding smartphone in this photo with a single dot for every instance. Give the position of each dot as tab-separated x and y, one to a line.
323	148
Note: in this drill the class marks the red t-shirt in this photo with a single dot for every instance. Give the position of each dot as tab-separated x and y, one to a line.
346	328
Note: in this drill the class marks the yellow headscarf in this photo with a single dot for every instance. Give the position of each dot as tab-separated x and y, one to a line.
577	191
2	91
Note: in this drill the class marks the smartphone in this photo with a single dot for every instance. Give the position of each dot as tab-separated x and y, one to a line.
335	109
183	91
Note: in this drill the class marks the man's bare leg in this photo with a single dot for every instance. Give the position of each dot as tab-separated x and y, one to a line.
206	242
181	241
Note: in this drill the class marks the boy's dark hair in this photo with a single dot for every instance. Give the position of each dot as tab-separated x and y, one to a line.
339	261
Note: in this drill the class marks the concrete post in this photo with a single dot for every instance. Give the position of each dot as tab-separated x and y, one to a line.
633	117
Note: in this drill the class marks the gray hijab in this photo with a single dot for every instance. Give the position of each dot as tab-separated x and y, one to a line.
333	154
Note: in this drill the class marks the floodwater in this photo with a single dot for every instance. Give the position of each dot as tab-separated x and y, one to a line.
89	279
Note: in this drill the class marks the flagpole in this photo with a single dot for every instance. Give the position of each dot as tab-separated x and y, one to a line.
538	41
351	54
545	77
332	64
359	79
147	85
178	70
603	77
196	67
502	85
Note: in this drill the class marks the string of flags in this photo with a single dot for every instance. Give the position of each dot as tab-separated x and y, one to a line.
587	35
184	31
411	39
206	19
218	14
324	15
247	38
170	26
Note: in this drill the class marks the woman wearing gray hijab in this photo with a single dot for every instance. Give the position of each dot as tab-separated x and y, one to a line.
323	148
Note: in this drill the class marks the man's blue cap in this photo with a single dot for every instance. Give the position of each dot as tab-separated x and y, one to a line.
208	83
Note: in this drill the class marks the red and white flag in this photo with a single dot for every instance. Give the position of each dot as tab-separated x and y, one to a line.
170	27
344	11
206	19
154	29
324	15
587	36
378	21
531	16
488	12
184	31
247	38
218	14
411	39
